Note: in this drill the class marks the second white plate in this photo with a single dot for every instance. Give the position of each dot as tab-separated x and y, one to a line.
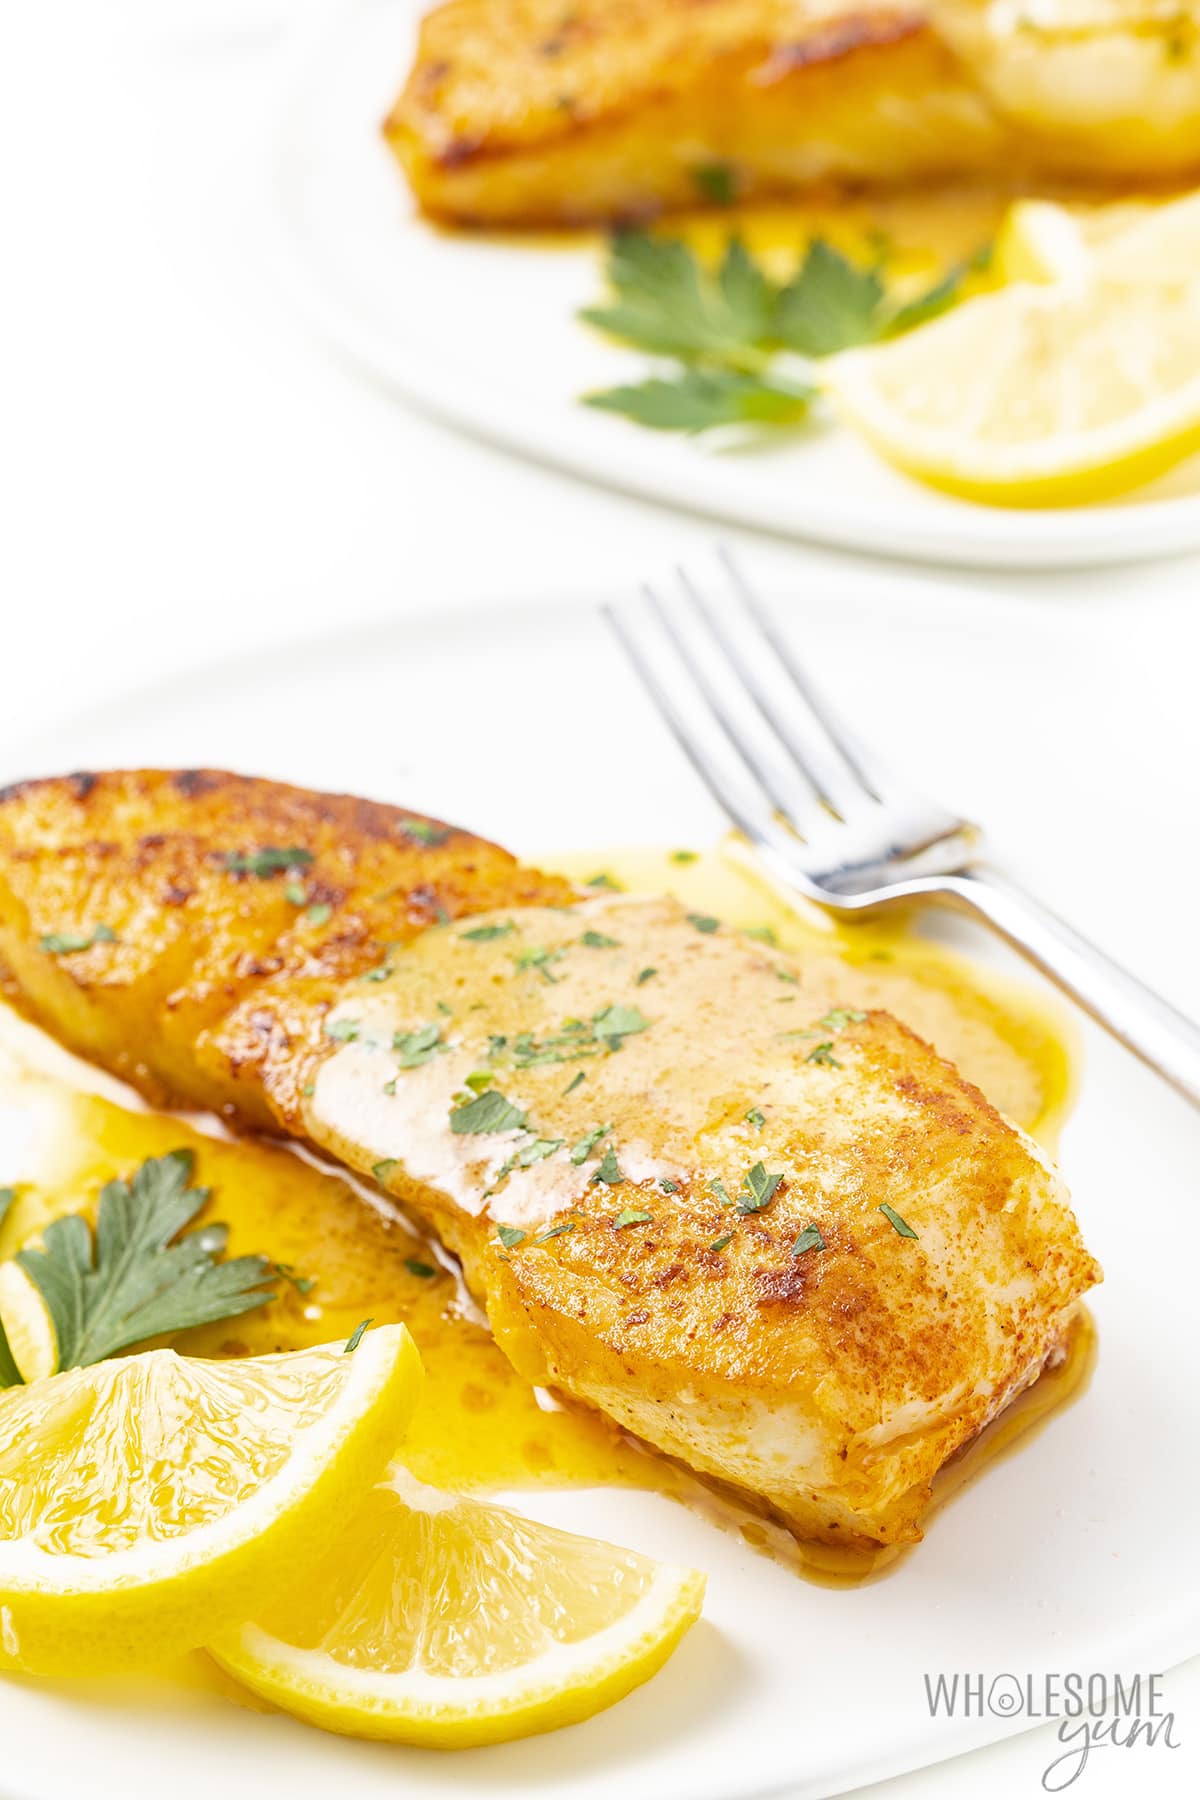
482	331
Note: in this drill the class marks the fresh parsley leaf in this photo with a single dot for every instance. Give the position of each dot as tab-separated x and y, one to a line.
537	1151
555	1231
822	1054
759	1191
608	1172
810	1239
425	1271
10	1375
839	1018
596	940
645	975
666	302
896	1222
342	1031
424	831
829	304
701	399
303	1284
65	943
510	1236
414	1048
488	1112
356	1336
143	1275
721	1242
536	956
631	1216
613	1024
486	934
716	182
704	922
7	1197
574	1082
268	861
583	1149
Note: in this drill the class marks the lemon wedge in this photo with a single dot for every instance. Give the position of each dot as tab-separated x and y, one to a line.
448	1623
1043	395
148	1502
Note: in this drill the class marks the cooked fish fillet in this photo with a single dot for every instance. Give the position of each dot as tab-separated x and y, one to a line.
786	1243
537	112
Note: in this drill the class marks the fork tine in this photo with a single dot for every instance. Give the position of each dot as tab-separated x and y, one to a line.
752	816
836	782
800	803
845	744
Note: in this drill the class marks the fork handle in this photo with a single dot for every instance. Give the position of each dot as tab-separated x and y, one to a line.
1137	1017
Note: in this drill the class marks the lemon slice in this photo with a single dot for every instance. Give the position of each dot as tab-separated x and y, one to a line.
447	1623
1040	396
148	1502
1039	241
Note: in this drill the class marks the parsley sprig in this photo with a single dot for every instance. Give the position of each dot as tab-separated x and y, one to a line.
727	327
141	1274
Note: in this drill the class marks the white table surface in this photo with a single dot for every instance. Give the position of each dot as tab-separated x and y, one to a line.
185	473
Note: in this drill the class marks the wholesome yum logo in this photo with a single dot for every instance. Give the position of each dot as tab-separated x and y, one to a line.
1095	1712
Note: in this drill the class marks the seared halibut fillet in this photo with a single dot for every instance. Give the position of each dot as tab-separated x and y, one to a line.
777	1237
543	112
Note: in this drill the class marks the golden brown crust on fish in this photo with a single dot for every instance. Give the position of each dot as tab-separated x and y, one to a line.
269	952
543	112
214	981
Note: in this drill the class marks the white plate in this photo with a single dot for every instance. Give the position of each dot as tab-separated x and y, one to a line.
483	333
522	721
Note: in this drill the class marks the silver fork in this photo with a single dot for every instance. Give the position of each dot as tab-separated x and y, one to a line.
830	818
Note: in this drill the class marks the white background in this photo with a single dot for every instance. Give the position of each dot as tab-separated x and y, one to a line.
185	473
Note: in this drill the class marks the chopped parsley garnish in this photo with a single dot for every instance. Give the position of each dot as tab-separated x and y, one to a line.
356	1336
65	943
604	881
608	1172
810	1239
303	1284
381	1170
486	934
536	956
479	1079
319	914
488	1112
297	893
669	1187
721	1242
703	922
413	1048
763	934
343	1031
759	1191
613	1024
596	940
716	182
424	831
840	1017
645	975
510	1236
896	1222
717	1186
823	1054
425	1271
7	1196
555	1231
574	1082
380	972
267	861
685	856
755	1118
139	1275
631	1216
788	975
583	1149
537	1151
